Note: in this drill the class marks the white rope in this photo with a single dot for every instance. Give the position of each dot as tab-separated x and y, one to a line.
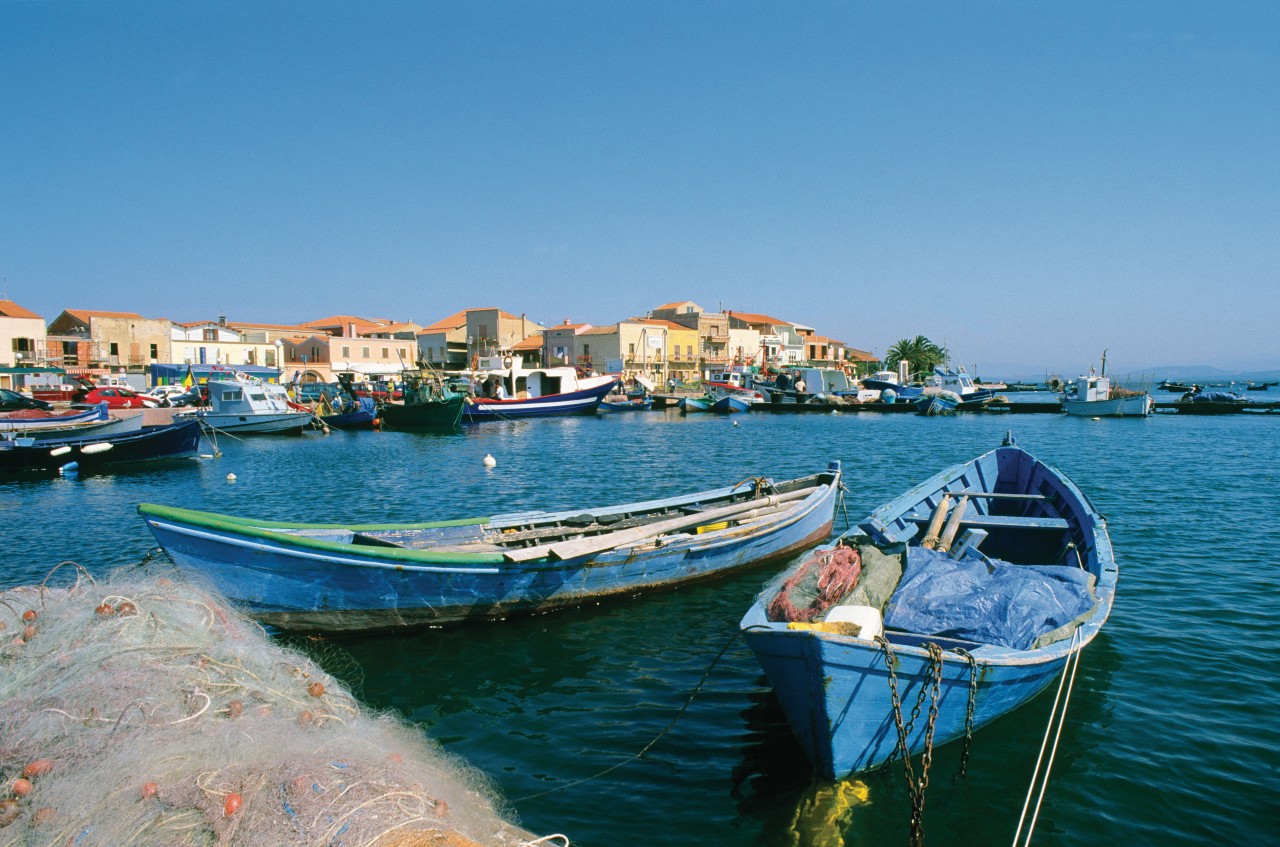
1068	679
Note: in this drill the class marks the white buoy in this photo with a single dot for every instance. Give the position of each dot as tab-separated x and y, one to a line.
489	461
1097	419
231	477
735	423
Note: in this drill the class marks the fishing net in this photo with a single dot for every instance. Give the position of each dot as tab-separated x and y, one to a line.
143	711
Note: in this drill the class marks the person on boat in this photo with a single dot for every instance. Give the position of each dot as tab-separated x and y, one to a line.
800	386
500	391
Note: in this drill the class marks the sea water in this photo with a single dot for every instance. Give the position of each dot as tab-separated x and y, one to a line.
1171	735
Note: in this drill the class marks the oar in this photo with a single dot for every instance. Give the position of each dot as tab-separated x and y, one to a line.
623	537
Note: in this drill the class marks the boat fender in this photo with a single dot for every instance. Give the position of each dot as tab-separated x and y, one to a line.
506	362
99	447
60	451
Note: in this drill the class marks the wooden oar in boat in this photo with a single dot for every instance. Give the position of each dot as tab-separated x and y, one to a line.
623	537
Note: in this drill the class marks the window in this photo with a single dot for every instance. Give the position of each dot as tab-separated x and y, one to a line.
271	358
155	351
23	345
210	335
631	350
386	352
688	350
346	352
315	352
114	349
364	352
586	350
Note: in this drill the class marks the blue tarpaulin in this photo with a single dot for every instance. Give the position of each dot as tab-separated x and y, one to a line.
991	603
173	374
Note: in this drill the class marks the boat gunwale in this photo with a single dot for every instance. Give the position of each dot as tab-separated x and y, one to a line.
232	526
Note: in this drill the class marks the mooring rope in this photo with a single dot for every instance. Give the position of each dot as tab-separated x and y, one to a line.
1068	679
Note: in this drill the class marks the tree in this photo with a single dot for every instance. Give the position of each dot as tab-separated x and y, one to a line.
920	354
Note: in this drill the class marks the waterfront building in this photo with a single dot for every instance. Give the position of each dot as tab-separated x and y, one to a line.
91	342
456	342
560	344
723	341
649	347
23	343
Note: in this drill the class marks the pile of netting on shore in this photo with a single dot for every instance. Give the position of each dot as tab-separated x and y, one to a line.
141	710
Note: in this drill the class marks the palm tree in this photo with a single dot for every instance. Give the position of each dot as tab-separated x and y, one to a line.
920	354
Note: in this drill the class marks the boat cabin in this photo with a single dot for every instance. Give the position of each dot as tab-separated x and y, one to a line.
506	378
1091	388
247	397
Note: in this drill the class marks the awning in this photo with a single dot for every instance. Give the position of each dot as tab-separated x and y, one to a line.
21	370
87	371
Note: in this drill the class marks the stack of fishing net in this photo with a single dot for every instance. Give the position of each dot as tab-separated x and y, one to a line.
142	711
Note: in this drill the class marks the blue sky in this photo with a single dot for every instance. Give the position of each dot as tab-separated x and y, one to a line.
1027	183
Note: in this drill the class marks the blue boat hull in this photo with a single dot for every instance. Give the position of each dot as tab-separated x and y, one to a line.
629	406
902	392
834	687
312	583
935	405
728	405
690	405
479	410
359	418
172	441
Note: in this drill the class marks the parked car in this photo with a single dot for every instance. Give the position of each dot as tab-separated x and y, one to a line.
14	401
311	392
164	394
115	398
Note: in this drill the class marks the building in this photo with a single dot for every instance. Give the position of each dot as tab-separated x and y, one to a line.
650	347
560	345
456	342
781	342
96	342
722	340
23	344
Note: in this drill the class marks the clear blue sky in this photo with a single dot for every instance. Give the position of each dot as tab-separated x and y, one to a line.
1025	182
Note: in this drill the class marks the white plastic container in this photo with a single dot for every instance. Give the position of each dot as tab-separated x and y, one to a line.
867	617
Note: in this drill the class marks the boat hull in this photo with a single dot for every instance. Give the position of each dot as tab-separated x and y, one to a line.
269	423
308	584
173	441
25	424
934	404
627	406
442	415
584	402
1137	406
834	688
692	405
729	405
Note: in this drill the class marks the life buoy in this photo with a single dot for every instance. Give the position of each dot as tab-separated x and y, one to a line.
506	363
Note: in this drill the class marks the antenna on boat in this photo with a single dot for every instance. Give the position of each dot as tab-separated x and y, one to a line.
1104	361
1009	440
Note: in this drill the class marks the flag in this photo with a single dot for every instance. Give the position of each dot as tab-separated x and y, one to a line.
188	380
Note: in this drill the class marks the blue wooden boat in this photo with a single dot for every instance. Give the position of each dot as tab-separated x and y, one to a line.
23	423
730	403
941	567
93	452
937	403
360	413
583	401
638	404
691	405
342	577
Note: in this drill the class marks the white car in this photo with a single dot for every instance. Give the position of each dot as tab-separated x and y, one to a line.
165	392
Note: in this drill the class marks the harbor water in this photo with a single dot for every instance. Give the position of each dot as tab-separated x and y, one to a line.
1171	735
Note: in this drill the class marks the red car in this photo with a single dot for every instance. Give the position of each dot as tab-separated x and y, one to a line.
115	398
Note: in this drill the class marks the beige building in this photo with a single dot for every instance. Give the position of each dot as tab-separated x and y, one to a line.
119	341
454	343
722	340
219	343
23	343
656	349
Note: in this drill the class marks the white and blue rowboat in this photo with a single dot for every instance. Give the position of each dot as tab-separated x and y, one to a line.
98	412
986	544
356	577
691	405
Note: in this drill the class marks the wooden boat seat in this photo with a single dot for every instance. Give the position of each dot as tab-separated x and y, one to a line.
1003	522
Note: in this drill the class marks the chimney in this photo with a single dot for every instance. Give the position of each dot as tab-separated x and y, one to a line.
352	329
222	320
566	321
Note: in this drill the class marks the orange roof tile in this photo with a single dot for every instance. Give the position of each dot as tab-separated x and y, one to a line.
754	318
85	314
455	321
533	342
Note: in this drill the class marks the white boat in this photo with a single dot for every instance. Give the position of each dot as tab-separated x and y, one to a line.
1093	398
246	404
501	388
960	382
96	428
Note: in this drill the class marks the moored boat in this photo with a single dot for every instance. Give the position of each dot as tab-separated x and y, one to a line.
503	389
1095	397
365	577
936	401
633	404
701	403
32	419
248	405
428	405
1201	402
736	401
92	452
972	590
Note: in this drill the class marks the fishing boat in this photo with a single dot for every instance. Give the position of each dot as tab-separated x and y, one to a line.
1178	387
348	410
92	452
958	381
936	401
972	590
383	576
249	405
33	419
727	404
691	405
428	405
886	387
1095	397
503	388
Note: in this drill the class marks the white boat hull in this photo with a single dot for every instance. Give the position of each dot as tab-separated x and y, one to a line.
1137	406
267	422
